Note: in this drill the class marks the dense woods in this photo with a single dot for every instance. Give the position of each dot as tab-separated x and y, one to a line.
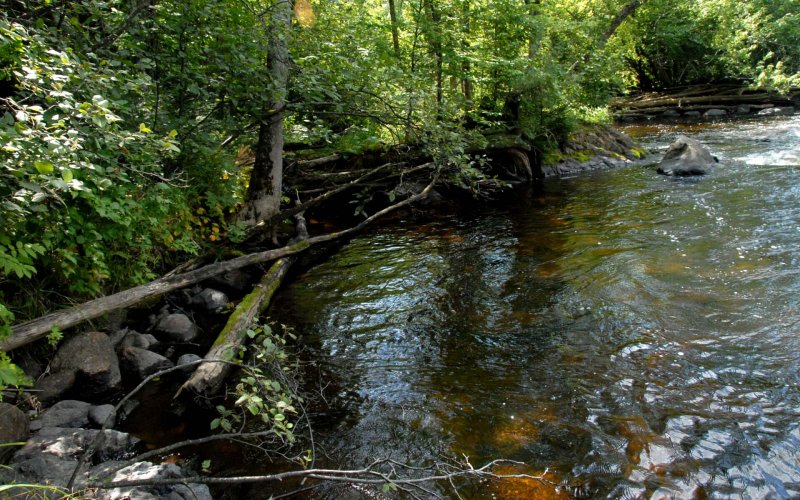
138	134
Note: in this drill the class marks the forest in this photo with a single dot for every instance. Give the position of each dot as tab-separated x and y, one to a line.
139	135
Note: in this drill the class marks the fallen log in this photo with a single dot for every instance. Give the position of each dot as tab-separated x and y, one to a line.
30	331
208	378
680	102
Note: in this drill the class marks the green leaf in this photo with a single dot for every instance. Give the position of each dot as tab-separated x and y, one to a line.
144	129
44	167
66	174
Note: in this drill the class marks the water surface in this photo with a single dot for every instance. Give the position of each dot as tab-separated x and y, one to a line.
634	335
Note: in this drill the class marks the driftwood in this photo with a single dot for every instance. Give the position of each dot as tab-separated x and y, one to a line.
33	330
207	379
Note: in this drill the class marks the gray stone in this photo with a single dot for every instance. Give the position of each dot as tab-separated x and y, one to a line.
67	413
743	109
54	387
135	339
691	114
211	300
14	429
147	470
139	363
715	113
234	281
64	442
776	111
670	113
188	358
91	356
686	157
41	469
98	415
177	327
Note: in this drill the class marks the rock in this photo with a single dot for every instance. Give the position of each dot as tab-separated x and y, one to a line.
128	407
235	281
139	363
211	300
67	413
188	358
715	113
98	415
91	356
42	469
65	442
692	114
177	327
686	157
146	470
14	429
743	109
776	111
54	387
135	339
670	113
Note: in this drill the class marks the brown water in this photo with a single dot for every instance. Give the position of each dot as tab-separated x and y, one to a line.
637	336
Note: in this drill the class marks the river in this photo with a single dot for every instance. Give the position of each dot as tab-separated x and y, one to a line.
635	336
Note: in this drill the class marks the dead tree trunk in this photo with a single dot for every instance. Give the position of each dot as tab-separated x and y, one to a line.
209	376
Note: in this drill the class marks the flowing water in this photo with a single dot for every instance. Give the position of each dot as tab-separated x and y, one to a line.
632	335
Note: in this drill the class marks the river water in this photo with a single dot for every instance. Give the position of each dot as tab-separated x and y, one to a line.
633	335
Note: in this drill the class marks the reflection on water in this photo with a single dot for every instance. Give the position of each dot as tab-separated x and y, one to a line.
631	334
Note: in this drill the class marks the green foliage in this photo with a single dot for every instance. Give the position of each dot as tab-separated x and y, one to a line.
267	390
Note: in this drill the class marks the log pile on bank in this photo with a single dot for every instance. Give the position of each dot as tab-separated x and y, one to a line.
703	101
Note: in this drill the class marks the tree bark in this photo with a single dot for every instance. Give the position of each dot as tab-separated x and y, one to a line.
263	198
621	16
395	28
208	378
535	38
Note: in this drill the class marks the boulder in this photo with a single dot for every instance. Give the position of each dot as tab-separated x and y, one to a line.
235	281
177	327
62	442
67	413
211	300
136	339
715	113
54	387
743	109
14	429
99	415
147	470
139	363
41	469
692	114
776	111
670	113
686	157
188	358
91	357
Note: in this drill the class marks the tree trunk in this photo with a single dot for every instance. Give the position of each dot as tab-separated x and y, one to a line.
535	38
621	16
395	28
466	68
207	380
264	192
435	40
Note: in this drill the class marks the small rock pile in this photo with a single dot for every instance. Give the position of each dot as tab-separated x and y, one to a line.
89	370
